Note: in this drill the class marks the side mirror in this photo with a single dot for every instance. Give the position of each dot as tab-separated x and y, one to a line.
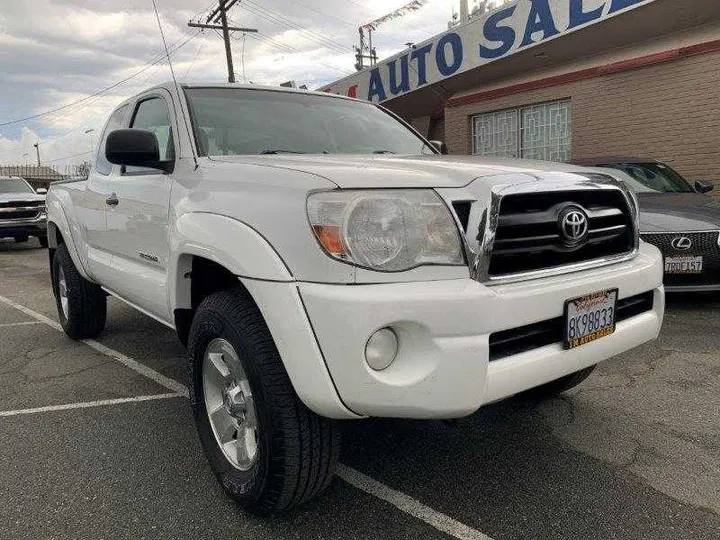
135	148
701	186
441	147
41	191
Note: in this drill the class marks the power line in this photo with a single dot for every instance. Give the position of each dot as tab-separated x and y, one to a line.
326	15
99	92
221	13
46	161
287	49
243	58
197	55
280	20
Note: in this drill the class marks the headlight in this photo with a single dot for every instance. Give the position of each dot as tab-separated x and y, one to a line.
389	230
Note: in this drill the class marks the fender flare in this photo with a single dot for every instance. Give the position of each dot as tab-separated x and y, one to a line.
244	252
225	241
58	221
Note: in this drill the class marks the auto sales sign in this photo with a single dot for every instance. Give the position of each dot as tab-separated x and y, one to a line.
516	26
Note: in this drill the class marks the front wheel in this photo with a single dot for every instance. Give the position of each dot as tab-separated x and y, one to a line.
81	305
268	451
558	386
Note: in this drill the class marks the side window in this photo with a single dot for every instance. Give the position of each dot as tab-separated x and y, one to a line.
153	115
102	165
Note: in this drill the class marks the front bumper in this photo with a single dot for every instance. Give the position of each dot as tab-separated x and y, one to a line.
36	226
443	368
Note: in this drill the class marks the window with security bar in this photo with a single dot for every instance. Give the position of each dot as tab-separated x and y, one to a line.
539	131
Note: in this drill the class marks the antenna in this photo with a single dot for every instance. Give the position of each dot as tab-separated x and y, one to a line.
177	87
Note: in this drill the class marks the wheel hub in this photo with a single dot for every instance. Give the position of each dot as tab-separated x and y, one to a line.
234	401
63	293
230	404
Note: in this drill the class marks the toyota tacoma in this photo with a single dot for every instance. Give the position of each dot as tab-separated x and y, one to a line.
324	262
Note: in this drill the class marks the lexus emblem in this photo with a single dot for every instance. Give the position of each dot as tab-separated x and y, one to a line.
573	223
681	243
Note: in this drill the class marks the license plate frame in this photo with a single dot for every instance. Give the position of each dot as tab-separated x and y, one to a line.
606	298
694	265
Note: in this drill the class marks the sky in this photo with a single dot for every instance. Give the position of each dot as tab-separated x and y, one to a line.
56	52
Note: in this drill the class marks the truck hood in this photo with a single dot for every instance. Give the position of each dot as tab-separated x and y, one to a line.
383	171
678	212
6	198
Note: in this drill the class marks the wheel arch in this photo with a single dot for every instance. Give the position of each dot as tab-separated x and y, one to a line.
209	253
214	253
59	232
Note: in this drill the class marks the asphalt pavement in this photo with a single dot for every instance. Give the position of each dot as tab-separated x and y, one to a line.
97	444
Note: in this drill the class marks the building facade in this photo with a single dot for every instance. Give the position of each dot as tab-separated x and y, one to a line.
576	79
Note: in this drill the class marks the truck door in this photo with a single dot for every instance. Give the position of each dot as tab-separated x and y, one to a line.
137	216
89	204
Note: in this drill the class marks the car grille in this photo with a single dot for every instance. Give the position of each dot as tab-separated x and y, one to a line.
528	236
533	336
20	210
703	243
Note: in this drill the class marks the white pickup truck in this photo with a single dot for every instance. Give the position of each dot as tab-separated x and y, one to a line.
323	262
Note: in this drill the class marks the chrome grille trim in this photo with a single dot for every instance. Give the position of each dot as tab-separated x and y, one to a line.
484	220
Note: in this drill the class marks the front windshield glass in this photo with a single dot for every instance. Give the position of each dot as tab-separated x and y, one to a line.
234	121
14	185
653	178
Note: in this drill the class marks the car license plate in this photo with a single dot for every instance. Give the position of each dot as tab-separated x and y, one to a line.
589	318
683	265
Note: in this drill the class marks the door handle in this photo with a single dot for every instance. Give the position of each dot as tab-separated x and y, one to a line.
112	200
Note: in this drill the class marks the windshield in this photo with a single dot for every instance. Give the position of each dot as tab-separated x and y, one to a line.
653	178
14	185
233	121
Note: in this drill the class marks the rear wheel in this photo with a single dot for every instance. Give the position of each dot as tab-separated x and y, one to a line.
268	451
81	305
21	239
558	386
43	241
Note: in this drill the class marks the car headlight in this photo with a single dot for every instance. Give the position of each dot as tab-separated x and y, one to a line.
388	230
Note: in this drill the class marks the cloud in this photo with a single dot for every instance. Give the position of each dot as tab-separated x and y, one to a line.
74	48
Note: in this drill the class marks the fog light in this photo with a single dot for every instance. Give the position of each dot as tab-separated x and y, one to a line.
381	349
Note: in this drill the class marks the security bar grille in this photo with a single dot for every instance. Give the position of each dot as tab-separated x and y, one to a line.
540	131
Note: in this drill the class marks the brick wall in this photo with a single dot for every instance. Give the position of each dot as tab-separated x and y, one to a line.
670	111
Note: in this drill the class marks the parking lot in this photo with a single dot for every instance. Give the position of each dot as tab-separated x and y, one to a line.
98	442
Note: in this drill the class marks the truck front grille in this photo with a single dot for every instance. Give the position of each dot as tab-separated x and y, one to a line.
20	210
18	214
533	336
530	234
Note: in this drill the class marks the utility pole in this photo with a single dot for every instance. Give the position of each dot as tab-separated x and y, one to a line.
37	149
365	51
219	14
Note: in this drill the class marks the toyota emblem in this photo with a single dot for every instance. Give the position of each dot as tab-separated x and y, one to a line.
574	225
681	243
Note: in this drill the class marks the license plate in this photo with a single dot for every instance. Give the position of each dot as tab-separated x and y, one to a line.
589	318
683	265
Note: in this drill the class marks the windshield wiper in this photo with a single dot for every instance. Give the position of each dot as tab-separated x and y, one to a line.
266	152
383	152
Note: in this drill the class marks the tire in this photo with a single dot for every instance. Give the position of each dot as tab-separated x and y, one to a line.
558	386
84	314
296	450
21	239
43	241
